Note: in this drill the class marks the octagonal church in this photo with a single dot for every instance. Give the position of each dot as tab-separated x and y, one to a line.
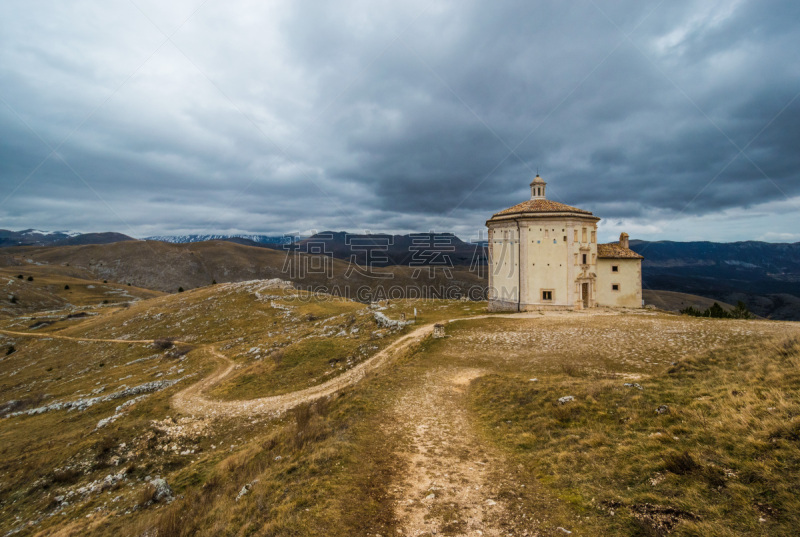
544	254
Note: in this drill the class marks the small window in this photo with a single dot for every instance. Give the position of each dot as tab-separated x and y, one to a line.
615	287
614	268
584	259
565	238
547	295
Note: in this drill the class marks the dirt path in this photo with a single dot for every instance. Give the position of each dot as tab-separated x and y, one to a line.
71	338
446	488
192	400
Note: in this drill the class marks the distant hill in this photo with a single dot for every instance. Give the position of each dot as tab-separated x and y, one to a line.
672	301
165	267
765	276
382	250
34	237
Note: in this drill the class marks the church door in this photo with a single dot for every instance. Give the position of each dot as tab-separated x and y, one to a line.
585	294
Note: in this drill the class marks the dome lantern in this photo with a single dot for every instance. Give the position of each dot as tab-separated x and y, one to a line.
537	188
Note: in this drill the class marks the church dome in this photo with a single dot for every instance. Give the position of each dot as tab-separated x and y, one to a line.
539	205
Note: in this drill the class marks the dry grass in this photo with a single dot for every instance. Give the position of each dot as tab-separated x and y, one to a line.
327	468
59	287
721	461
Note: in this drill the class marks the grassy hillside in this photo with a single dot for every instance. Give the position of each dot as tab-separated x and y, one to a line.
673	301
57	461
35	288
398	451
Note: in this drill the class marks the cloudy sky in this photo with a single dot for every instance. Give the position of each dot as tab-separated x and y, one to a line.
669	119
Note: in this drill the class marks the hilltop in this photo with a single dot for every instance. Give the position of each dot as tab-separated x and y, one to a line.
262	409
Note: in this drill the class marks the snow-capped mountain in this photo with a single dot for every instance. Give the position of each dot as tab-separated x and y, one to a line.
37	237
261	239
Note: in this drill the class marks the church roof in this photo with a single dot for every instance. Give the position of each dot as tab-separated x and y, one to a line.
541	206
613	250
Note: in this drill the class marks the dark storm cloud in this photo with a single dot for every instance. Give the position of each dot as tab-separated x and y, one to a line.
658	116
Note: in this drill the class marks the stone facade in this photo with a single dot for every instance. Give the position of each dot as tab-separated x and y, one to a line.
544	255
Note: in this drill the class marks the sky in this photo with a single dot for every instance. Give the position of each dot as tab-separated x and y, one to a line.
670	120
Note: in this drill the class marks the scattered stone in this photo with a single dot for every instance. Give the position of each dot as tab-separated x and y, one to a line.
385	322
633	385
663	409
533	380
162	490
245	489
563	530
83	404
566	399
278	458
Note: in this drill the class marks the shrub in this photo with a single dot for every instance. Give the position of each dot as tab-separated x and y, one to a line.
66	287
30	278
11	350
13	299
105	281
66	476
741	311
718	312
213	282
21	277
680	463
180	289
163	343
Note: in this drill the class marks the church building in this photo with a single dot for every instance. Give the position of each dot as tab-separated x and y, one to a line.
544	254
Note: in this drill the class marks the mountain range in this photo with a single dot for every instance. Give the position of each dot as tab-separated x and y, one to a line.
248	239
765	276
35	237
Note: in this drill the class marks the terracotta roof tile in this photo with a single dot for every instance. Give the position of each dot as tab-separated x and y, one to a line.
613	250
541	206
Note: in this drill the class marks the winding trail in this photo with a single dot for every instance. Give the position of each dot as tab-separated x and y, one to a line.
192	400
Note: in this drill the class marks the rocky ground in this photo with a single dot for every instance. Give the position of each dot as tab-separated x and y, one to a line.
114	414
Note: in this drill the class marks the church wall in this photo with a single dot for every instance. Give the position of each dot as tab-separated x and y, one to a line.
546	258
552	259
629	279
504	275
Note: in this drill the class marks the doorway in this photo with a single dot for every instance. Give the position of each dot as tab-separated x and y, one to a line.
585	294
